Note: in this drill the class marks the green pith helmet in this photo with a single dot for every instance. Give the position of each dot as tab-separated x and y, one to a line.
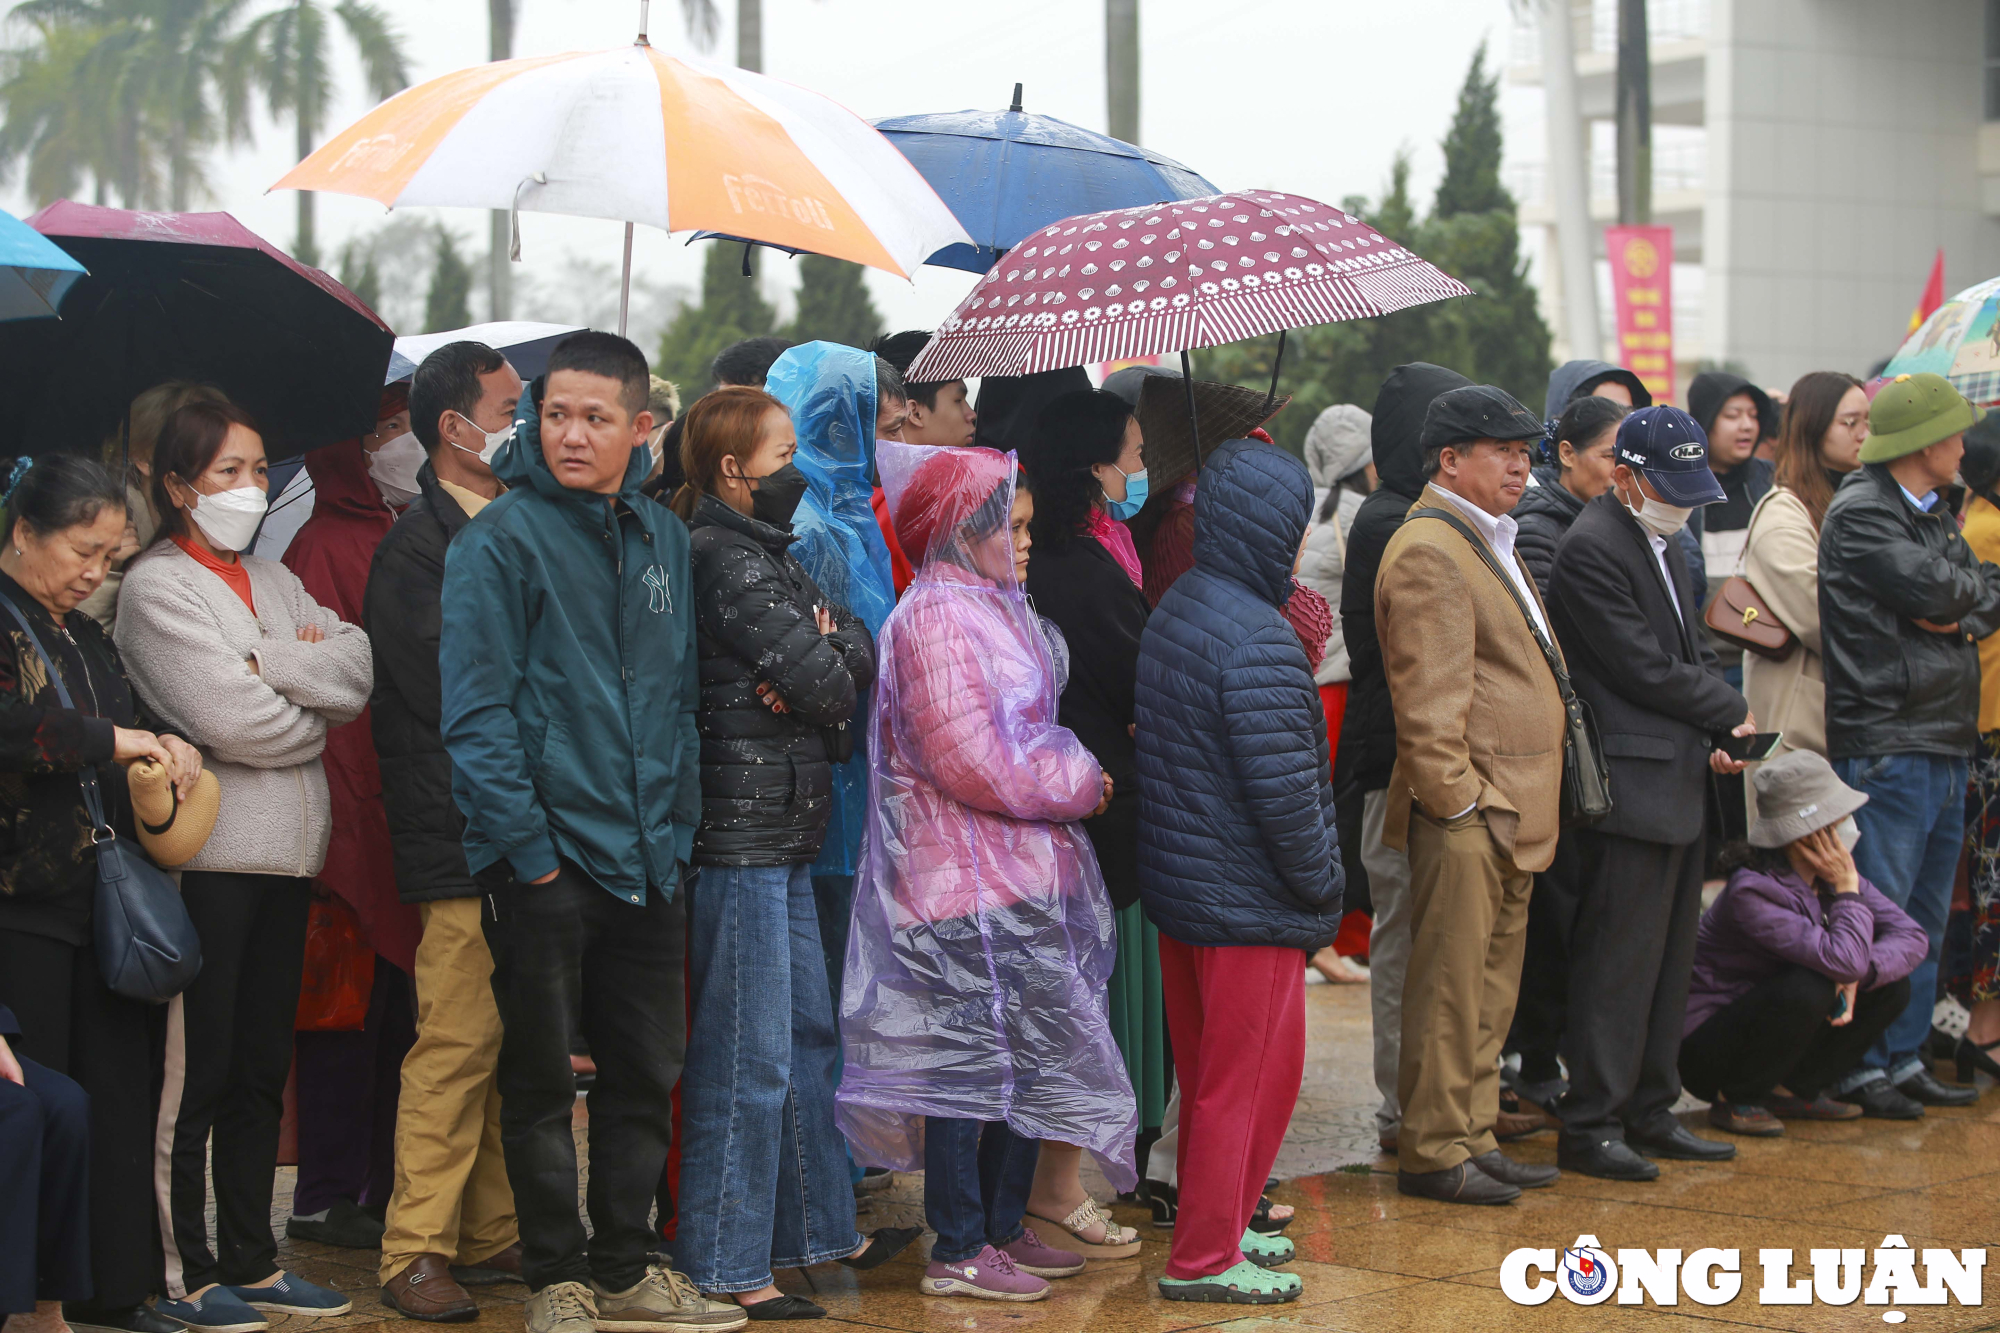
1913	412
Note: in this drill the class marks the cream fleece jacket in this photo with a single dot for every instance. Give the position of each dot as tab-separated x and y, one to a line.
187	641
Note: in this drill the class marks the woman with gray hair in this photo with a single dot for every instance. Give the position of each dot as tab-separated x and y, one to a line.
1339	453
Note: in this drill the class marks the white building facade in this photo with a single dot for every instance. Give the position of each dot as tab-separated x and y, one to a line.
1811	155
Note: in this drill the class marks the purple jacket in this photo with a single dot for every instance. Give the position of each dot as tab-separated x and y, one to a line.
1764	923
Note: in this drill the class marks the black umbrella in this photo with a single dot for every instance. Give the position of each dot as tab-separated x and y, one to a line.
194	296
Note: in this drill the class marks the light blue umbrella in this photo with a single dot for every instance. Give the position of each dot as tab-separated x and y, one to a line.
35	272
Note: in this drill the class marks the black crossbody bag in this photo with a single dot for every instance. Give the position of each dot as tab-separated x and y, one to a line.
147	947
1586	780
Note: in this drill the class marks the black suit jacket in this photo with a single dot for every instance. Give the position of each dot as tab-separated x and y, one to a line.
1648	675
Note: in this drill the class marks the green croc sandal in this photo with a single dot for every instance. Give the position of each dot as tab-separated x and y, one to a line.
1245	1284
1266	1251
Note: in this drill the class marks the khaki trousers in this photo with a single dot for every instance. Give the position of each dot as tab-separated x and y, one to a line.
1468	929
452	1197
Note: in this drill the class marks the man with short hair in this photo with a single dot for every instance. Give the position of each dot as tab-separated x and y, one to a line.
1626	613
1474	796
1903	602
747	362
570	686
940	413
451	1216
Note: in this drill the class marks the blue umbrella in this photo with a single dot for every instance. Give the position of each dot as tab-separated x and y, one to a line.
1006	174
35	272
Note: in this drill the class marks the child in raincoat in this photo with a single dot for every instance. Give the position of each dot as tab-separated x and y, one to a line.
973	1015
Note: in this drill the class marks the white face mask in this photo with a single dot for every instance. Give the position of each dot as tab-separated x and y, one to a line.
1848	832
394	468
494	439
229	519
1658	517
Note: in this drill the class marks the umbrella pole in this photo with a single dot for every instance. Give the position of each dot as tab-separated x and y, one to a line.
1194	425
625	284
1271	396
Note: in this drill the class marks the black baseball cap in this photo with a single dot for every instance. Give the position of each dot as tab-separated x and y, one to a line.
1670	449
1477	412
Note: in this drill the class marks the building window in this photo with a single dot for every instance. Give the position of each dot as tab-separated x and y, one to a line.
1992	69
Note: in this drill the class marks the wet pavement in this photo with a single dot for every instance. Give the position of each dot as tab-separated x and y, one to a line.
1375	1262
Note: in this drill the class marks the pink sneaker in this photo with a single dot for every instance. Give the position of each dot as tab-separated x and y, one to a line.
989	1275
1031	1255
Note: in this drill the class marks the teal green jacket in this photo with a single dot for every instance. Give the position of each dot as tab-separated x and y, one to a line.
569	672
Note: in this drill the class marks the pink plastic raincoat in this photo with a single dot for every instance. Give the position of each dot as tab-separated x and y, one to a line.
982	936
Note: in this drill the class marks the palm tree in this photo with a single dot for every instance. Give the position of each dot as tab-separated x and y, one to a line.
285	55
122	91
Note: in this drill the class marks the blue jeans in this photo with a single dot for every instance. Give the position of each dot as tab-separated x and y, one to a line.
764	1172
1911	831
976	1182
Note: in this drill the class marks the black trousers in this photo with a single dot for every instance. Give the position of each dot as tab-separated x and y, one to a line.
44	1190
229	1052
73	1023
1777	1033
1541	1012
567	954
1630	961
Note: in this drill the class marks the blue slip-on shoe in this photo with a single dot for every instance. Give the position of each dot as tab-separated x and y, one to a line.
217	1310
292	1294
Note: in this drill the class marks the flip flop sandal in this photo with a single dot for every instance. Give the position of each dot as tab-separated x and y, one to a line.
1262	1222
1118	1243
1245	1284
1266	1251
1165	1201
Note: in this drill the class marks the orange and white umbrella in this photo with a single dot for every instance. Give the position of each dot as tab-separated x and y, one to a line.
637	135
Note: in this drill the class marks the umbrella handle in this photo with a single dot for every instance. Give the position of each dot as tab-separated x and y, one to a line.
1271	396
1194	425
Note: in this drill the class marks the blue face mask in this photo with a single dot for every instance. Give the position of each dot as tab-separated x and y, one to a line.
1135	495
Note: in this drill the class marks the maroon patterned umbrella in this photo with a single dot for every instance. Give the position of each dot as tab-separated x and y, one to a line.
1167	277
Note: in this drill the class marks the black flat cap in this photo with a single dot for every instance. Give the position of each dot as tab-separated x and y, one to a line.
1477	412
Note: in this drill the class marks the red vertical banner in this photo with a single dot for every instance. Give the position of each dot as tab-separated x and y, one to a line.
1642	292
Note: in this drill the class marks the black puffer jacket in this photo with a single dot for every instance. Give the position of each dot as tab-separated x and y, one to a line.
1544	515
1368	733
401	611
766	785
1891	686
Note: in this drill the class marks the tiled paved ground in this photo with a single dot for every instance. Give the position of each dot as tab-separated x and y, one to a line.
1375	1262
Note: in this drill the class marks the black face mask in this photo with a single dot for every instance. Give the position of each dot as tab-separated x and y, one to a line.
777	496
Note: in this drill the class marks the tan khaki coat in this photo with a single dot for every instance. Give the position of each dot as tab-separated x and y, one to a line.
1479	721
1781	560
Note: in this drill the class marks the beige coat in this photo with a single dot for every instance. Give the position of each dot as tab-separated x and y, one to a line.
1478	718
187	641
1781	561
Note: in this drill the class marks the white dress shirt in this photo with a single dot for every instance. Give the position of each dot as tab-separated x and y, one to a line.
1499	531
1659	545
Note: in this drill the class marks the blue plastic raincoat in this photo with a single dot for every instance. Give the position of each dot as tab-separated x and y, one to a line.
830	392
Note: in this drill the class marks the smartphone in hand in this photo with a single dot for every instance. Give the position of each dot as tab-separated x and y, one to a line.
1749	749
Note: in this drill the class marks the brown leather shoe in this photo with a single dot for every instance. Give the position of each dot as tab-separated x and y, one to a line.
425	1290
502	1267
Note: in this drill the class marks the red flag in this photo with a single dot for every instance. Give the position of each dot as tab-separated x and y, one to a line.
1933	296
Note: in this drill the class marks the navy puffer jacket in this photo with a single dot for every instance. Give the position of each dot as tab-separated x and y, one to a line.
1236	825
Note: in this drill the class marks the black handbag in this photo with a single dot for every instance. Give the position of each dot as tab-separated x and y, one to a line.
147	947
1586	780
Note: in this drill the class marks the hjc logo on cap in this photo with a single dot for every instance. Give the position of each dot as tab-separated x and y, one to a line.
1687	453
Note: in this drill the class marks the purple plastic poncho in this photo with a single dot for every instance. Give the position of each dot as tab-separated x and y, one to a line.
982	937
